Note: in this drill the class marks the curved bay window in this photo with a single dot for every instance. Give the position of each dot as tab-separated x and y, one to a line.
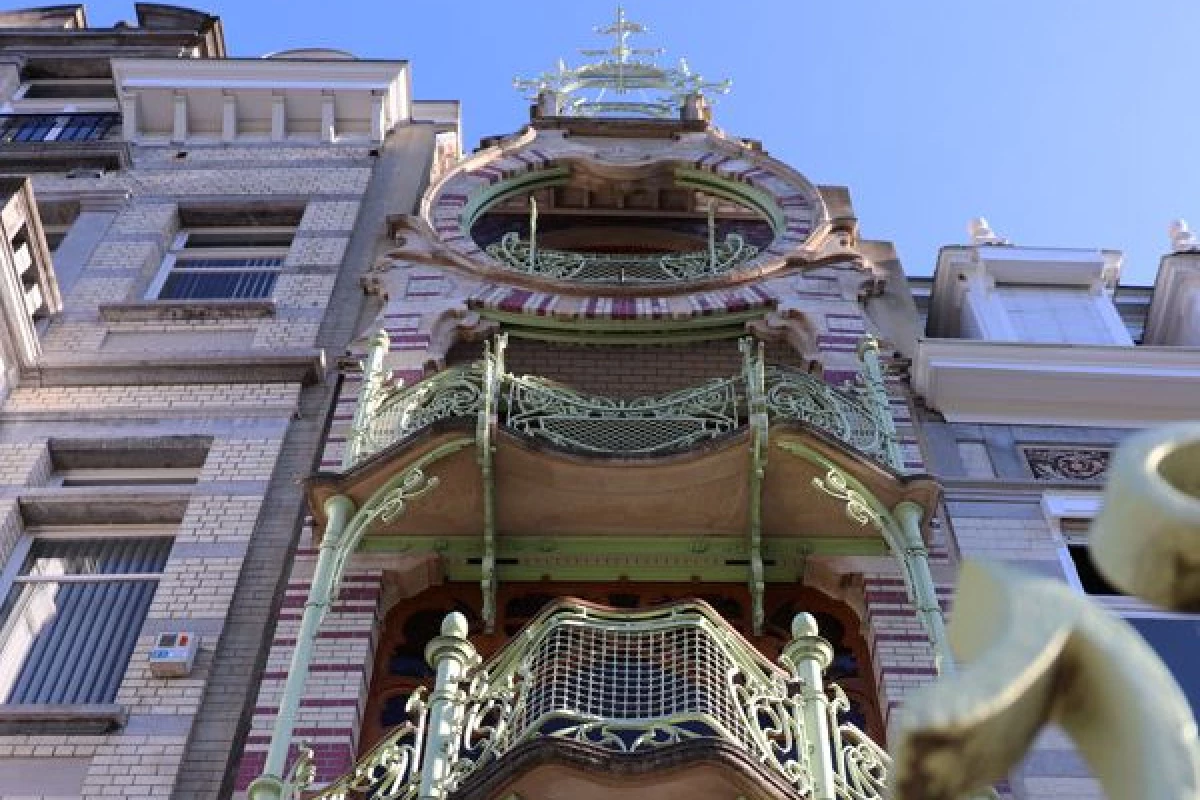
400	664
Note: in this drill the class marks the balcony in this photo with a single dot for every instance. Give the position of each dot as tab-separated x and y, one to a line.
722	258
587	697
541	410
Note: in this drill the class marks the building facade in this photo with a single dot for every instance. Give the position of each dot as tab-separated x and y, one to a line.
178	232
608	457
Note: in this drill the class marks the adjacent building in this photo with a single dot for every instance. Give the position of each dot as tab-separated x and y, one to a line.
611	456
180	272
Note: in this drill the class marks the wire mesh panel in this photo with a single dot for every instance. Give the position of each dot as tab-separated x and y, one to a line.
608	425
616	685
634	681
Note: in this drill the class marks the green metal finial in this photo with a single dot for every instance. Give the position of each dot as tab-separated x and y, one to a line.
621	70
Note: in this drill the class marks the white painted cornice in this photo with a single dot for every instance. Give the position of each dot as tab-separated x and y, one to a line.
279	99
969	380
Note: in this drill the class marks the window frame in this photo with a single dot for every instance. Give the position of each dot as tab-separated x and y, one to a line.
11	578
180	251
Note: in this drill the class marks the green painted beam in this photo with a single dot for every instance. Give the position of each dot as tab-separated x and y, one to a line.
605	558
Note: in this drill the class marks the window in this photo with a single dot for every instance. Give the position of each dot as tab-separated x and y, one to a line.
221	255
57	219
68	89
56	127
159	461
1174	637
1087	575
72	616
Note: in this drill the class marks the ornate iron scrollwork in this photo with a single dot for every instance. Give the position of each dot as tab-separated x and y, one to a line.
730	253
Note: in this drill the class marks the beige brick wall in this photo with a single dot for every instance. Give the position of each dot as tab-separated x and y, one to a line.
240	460
213	397
330	216
24	463
219	518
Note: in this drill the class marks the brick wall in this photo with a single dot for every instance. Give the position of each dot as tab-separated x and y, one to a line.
626	371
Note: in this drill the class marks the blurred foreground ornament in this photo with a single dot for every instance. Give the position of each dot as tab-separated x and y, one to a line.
1035	653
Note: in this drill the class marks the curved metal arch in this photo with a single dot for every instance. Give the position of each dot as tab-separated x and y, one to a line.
901	530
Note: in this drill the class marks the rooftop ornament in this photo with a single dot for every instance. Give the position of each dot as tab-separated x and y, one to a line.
624	82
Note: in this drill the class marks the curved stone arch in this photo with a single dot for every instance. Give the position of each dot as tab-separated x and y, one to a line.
709	161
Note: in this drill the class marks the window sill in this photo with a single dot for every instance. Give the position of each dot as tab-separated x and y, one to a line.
172	310
79	719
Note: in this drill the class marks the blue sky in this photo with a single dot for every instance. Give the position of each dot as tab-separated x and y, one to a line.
1065	122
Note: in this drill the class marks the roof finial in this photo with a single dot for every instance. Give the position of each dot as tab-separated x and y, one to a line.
619	72
982	233
1182	238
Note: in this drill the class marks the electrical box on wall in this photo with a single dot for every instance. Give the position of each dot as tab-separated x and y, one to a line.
173	654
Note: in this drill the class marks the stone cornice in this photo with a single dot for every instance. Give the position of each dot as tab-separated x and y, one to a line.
1044	384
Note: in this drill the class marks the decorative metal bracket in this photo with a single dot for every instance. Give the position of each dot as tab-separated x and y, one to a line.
343	532
901	530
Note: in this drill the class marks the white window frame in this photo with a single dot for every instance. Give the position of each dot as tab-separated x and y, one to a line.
1059	506
180	249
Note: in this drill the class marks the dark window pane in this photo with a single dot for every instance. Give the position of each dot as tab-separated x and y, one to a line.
201	285
1090	578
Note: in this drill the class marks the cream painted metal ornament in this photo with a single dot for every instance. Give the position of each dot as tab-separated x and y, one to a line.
1035	652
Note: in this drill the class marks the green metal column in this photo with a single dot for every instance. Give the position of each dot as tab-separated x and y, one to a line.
807	656
451	654
920	582
754	375
880	403
270	785
372	388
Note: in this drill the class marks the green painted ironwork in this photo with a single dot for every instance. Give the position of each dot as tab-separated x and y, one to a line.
545	410
344	529
604	425
520	255
876	393
623	82
630	682
901	529
485	435
754	378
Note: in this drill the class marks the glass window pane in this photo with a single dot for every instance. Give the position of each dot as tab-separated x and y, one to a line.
70	642
100	556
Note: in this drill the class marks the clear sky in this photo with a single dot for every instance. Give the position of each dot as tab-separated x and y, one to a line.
1066	122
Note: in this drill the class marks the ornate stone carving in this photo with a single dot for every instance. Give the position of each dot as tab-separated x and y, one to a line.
1068	463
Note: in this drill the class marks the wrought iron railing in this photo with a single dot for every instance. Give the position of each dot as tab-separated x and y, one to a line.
723	257
545	410
604	425
632	682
